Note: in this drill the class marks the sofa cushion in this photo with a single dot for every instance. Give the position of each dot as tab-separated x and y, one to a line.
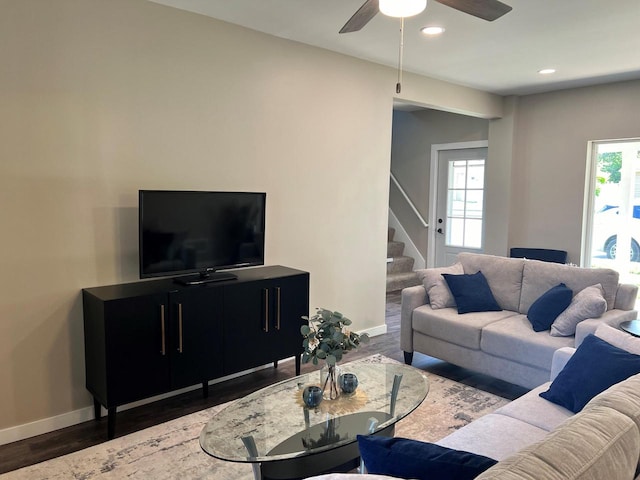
504	276
446	324
536	411
548	306
597	444
618	338
437	289
513	338
623	397
538	277
594	367
413	459
495	436
472	293
588	303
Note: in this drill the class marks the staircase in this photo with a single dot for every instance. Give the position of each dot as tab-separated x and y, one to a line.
400	272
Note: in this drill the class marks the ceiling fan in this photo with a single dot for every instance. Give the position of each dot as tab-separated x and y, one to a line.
489	10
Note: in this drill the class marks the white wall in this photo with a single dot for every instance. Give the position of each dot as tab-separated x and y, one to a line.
101	98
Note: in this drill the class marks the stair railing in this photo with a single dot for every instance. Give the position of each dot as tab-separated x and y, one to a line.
408	200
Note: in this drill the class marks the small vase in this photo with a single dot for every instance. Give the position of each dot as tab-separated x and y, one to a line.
329	376
348	382
312	396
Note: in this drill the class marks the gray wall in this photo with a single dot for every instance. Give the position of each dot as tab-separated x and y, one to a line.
101	98
413	135
550	159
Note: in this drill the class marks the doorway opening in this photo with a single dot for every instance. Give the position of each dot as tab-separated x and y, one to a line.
457	200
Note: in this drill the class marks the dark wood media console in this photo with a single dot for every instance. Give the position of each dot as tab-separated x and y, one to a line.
152	337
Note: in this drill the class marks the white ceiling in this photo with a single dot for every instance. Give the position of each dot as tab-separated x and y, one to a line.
586	41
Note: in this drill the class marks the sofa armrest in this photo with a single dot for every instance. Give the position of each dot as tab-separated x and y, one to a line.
626	296
611	317
412	298
560	359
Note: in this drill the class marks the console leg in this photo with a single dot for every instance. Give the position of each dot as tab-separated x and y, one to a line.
275	364
298	359
97	409
408	357
205	389
111	422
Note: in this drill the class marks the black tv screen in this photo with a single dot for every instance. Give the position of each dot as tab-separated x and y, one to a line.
184	232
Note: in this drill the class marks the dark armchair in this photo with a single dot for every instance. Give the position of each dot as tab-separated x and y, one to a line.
544	254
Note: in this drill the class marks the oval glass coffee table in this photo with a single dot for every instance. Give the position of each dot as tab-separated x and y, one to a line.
274	431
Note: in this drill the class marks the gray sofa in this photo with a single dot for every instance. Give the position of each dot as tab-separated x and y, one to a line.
503	343
534	439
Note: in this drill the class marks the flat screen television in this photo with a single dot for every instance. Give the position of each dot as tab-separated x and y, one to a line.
190	232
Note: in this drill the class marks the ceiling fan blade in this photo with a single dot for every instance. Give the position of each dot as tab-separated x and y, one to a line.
364	14
486	9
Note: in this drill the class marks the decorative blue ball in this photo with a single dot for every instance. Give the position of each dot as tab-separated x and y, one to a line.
348	382
312	396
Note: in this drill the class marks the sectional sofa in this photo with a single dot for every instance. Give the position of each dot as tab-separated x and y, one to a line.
535	439
503	343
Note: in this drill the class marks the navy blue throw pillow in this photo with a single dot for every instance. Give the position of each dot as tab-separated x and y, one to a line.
595	366
404	458
546	309
472	293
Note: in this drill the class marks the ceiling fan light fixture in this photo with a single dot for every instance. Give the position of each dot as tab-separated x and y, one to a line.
402	8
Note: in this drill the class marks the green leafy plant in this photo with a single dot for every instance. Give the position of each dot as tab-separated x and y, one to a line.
327	337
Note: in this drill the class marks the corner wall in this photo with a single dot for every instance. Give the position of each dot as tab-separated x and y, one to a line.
550	158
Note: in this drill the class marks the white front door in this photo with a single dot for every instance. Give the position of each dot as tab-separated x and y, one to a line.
458	225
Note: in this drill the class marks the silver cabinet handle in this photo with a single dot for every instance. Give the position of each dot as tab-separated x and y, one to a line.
277	308
163	349
180	327
265	291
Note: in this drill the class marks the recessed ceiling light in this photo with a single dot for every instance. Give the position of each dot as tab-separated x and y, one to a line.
432	30
547	71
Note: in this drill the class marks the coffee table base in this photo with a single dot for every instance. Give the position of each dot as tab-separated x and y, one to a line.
328	461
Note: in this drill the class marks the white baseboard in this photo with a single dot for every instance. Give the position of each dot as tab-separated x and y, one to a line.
46	425
375	331
50	424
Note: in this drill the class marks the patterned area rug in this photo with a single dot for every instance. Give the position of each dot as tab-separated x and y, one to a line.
171	450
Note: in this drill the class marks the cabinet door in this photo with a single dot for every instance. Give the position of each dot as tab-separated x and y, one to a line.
196	335
262	321
247	336
291	302
137	360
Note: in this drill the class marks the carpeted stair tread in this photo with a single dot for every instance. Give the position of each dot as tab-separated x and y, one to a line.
400	264
398	281
395	249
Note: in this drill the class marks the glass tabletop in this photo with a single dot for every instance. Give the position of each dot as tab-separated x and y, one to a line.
274	424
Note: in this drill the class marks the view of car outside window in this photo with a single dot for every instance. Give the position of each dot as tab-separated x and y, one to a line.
616	217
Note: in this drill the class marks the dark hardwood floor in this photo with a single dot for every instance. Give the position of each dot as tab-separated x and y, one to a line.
44	447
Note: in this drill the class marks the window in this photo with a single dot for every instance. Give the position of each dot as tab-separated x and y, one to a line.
465	203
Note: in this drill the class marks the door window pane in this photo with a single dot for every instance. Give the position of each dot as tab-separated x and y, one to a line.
455	232
473	233
465	203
